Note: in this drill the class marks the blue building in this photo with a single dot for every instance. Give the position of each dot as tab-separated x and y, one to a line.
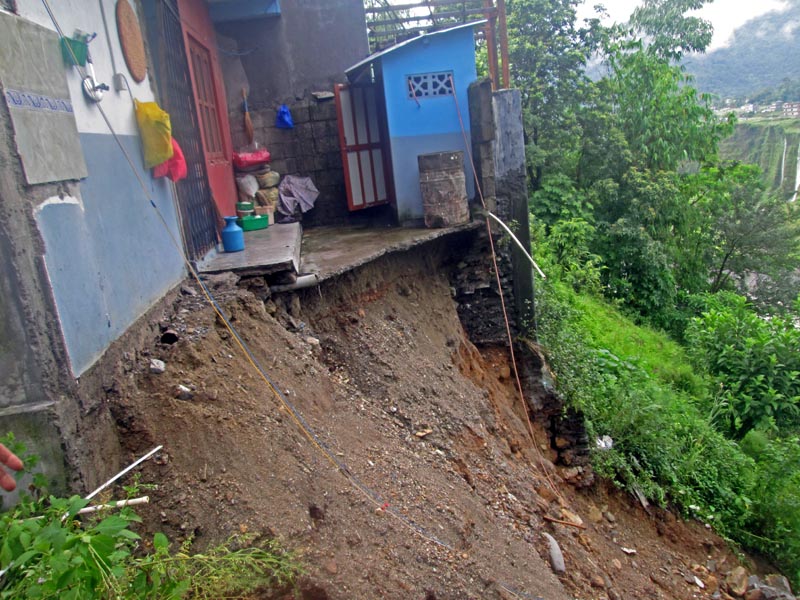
401	103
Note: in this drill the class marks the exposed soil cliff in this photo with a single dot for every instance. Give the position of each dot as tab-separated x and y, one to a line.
455	494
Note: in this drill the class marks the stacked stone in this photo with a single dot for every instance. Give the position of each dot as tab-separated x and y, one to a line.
267	194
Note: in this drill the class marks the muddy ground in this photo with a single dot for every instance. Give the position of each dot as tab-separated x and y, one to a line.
454	496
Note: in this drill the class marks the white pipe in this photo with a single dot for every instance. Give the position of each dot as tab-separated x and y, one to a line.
303	281
115	504
123	472
521	247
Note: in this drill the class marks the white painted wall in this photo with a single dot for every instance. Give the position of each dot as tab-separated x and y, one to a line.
86	16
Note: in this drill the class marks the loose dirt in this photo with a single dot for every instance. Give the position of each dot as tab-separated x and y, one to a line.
457	492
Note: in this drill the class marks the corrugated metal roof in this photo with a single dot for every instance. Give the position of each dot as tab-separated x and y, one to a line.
354	71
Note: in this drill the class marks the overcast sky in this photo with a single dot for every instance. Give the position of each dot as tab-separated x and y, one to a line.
726	15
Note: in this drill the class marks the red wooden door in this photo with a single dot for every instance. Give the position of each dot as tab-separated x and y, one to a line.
209	98
364	159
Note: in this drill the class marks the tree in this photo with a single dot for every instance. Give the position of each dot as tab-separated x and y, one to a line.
548	52
664	120
667	31
754	232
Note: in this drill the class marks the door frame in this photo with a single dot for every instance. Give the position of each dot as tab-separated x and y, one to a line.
198	28
372	144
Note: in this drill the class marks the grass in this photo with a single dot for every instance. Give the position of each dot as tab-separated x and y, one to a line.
648	349
637	385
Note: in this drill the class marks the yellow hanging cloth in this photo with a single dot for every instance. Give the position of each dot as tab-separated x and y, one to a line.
156	132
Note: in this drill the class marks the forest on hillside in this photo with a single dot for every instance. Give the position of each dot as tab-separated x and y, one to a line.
761	57
647	234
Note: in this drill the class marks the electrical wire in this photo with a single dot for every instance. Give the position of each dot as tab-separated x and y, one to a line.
517	380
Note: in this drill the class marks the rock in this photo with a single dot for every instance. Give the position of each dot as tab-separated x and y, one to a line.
312	341
595	516
571	474
771	593
737	581
545	492
562	443
598	582
571	517
188	291
556	557
183	393
712	582
157	366
330	566
779	582
754	594
610	517
617	564
221	280
628	550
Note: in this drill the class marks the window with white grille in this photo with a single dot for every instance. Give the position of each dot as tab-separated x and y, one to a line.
430	85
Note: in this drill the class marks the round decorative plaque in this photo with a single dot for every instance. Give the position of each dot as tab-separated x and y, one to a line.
130	37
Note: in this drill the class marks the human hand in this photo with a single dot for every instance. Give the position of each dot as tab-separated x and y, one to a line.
10	460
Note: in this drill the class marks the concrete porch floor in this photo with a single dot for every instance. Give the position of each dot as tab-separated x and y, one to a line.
325	251
331	251
266	251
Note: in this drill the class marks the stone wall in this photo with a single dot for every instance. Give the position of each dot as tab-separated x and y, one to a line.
499	154
311	149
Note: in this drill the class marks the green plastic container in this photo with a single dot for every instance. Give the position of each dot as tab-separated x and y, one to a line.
79	48
254	223
244	206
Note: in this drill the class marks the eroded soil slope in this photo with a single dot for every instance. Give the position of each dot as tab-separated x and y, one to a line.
380	368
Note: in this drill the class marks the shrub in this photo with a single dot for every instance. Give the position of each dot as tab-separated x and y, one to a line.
48	551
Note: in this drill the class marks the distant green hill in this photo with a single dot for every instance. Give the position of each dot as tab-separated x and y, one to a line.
764	52
771	144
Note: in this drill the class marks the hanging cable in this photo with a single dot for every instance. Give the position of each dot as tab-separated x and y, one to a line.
517	380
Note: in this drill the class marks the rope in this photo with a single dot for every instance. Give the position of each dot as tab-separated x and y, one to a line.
517	380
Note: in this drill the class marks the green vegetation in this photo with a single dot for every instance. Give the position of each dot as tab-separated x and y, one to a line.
670	314
763	142
48	550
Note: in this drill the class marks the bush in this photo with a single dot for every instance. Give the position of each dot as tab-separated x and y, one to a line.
755	365
48	551
663	445
774	527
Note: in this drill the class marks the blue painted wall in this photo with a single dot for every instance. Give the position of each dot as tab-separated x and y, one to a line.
108	257
432	125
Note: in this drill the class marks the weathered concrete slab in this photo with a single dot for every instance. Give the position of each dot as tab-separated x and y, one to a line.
35	89
270	250
331	251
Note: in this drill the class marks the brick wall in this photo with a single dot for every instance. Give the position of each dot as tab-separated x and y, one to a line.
311	149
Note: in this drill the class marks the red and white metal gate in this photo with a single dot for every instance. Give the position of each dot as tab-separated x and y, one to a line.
362	149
